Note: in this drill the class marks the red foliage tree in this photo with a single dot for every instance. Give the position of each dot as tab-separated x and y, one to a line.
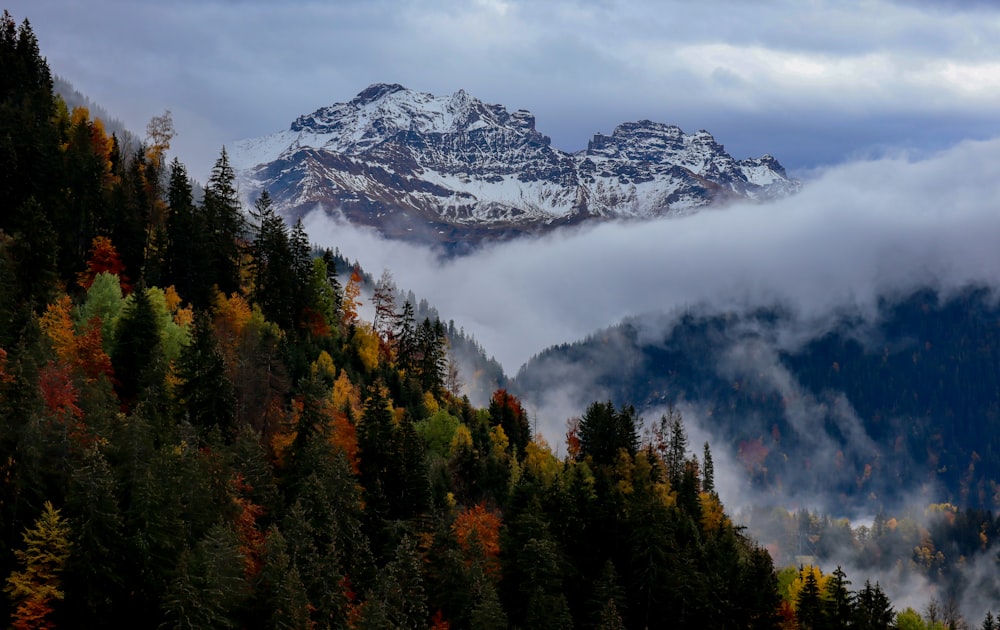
58	391
91	358
103	258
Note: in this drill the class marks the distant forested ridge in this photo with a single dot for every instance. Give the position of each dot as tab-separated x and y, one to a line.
864	411
198	429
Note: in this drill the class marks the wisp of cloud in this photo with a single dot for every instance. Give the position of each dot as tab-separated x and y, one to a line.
854	233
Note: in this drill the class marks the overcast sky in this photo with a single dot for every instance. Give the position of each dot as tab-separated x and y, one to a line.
813	83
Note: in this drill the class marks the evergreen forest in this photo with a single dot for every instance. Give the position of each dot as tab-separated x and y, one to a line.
199	430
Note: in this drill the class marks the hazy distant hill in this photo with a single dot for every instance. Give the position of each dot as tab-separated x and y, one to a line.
858	412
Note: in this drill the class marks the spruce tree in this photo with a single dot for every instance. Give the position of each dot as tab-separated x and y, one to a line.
275	281
187	262
809	606
224	223
604	431
137	357
872	609
206	394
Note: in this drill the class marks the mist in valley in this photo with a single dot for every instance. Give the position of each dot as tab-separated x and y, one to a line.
858	233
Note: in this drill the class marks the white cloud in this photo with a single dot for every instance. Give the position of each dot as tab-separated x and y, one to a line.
857	230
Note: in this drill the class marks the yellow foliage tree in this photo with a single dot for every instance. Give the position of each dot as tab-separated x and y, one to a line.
159	132
713	516
367	347
540	461
352	299
57	324
345	395
323	367
796	586
35	588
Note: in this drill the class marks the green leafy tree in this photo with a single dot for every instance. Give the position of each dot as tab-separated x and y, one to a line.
104	301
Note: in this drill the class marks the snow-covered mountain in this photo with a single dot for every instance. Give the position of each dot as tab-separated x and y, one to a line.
456	169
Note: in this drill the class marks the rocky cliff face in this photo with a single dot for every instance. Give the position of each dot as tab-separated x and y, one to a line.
452	168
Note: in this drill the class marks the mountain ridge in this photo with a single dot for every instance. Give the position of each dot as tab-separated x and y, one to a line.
415	165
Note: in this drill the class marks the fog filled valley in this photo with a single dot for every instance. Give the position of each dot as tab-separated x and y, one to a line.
837	348
764	411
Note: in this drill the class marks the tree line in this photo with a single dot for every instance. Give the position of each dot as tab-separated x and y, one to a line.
198	429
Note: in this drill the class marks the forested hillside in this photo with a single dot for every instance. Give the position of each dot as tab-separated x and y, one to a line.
863	412
197	429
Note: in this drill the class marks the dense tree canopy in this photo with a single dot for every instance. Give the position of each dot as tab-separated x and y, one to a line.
199	430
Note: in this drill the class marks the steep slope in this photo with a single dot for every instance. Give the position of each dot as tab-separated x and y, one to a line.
454	168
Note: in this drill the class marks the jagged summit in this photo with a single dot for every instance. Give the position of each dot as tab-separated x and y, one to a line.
412	164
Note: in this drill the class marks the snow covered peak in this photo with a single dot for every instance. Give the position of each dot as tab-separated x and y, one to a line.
402	161
382	110
381	113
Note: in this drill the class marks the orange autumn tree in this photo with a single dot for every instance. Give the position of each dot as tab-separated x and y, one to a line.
83	351
352	299
477	531
57	324
252	540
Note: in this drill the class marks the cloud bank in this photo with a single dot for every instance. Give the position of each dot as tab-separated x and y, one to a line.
855	232
811	83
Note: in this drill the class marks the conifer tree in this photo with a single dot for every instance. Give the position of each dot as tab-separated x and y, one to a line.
137	357
809	605
94	577
872	609
603	431
545	601
224	224
29	142
272	268
707	471
206	393
208	588
838	602
301	270
187	264
405	338
280	594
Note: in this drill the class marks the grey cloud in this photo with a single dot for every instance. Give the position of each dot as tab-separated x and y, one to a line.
231	70
854	232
